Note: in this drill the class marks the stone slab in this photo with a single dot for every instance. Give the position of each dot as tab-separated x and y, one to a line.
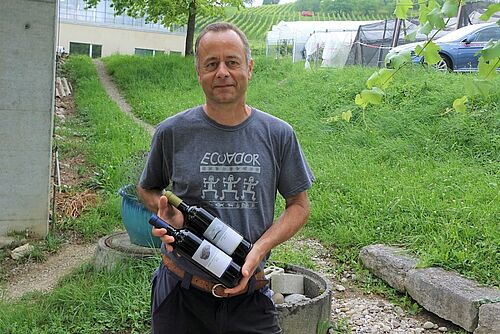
388	263
287	283
449	295
489	319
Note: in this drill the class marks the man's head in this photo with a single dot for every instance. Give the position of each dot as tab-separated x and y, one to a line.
219	27
223	64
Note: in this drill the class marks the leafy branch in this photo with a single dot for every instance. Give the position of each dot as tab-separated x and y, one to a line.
431	17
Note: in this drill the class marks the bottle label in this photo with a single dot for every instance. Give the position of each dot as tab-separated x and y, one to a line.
222	236
212	258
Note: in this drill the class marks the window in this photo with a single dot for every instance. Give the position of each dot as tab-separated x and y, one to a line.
79	48
148	52
91	50
487	34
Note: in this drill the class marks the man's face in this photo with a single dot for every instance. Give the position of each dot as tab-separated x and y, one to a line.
222	67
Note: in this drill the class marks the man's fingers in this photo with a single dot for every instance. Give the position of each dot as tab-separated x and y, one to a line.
162	234
240	287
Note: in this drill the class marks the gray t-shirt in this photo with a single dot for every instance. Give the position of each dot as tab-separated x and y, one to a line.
233	171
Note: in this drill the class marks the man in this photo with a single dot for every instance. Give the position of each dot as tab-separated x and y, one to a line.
232	159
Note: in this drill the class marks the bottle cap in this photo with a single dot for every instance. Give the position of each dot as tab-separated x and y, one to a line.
172	199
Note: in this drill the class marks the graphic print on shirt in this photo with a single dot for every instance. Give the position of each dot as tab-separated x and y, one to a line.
230	179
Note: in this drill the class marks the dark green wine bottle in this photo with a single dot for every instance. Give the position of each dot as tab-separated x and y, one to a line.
201	222
202	254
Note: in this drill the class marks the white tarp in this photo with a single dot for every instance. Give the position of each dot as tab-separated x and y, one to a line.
298	32
335	46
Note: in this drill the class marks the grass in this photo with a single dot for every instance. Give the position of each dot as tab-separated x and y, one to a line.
407	172
89	301
108	139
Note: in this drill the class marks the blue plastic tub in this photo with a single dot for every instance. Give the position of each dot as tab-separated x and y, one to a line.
135	218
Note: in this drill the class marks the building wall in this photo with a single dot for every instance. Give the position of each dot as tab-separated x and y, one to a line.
119	40
27	69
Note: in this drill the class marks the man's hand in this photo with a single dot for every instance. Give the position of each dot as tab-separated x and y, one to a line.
252	262
172	216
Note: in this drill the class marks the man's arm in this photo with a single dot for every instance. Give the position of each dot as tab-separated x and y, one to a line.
149	197
295	216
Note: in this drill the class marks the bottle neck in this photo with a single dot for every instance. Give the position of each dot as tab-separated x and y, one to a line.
183	207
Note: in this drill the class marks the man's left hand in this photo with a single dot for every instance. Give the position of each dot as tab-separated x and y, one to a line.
252	261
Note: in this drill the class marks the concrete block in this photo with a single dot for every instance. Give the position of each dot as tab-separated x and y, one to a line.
287	283
489	319
449	295
273	270
388	263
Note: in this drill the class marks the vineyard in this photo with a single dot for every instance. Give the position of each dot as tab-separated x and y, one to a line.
257	21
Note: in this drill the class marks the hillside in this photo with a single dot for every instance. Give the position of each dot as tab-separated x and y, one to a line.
257	21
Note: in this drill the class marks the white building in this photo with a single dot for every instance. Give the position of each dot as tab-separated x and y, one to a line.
97	32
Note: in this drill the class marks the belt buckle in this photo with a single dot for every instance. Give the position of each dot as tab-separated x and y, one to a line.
215	287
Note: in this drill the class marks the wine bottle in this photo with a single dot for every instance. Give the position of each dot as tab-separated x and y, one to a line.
201	222
202	254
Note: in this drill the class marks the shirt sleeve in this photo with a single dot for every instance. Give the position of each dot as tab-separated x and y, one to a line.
155	174
295	174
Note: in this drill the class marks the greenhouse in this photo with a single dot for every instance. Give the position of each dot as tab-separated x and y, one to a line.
289	38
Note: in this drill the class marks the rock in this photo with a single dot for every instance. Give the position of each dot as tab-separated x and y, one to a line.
278	298
339	288
489	319
399	311
389	263
442	329
295	298
428	325
449	295
21	251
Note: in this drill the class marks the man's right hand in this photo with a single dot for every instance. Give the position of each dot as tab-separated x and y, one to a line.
172	216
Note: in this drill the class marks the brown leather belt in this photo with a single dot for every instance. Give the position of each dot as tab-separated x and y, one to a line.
215	289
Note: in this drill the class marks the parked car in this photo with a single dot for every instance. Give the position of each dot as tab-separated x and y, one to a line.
458	48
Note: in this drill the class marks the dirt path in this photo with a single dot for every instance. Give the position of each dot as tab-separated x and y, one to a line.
115	95
43	277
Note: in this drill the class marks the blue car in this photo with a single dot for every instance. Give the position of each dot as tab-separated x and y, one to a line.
459	47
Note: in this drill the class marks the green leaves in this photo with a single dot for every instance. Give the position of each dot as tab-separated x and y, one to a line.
429	52
435	17
491	51
396	60
367	96
488	69
459	104
450	8
346	115
374	94
492	9
425	7
402	8
381	78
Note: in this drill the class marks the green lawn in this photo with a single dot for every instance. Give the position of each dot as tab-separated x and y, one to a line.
408	172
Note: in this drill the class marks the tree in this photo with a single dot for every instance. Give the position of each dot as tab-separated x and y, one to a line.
169	12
